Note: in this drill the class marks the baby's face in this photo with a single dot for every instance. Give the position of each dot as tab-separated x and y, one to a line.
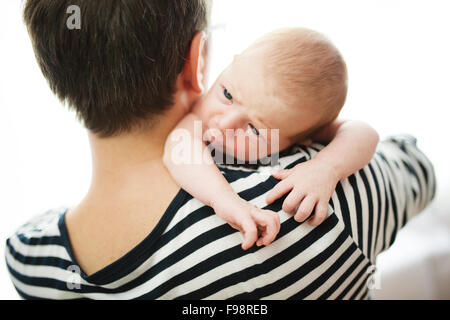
245	115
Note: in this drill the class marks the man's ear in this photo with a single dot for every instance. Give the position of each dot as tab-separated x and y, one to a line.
195	66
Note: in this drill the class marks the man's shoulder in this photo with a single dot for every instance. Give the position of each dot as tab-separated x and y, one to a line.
42	222
43	229
38	250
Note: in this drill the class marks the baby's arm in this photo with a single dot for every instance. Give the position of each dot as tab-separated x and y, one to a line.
351	146
199	176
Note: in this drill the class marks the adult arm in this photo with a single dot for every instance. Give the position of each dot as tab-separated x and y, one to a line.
378	200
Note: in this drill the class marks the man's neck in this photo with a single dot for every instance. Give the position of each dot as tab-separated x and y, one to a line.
126	166
130	191
126	152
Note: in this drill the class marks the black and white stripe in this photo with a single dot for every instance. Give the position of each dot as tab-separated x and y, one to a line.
193	254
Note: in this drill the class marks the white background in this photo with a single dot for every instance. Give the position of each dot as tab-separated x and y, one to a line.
397	54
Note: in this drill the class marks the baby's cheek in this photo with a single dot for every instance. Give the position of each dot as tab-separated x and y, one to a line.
249	147
241	148
241	145
253	150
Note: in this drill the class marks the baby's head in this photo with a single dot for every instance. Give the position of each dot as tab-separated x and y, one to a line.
293	80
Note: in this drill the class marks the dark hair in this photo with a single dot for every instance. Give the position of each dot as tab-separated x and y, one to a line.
121	66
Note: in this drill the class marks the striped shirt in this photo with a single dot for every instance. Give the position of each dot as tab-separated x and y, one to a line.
193	254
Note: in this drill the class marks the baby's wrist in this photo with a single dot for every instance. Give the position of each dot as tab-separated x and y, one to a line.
223	197
331	167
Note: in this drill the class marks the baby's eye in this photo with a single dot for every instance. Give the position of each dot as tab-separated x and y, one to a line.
227	94
254	130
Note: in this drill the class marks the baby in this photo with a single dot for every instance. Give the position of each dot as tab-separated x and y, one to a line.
292	82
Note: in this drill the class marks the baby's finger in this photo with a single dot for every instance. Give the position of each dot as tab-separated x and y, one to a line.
280	174
278	191
305	208
250	233
320	214
292	200
269	223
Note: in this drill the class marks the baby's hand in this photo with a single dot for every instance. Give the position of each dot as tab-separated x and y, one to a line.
311	185
257	225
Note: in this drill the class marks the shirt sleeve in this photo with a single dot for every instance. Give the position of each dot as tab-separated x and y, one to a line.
378	200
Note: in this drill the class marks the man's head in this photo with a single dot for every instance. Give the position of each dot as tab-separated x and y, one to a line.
293	80
121	67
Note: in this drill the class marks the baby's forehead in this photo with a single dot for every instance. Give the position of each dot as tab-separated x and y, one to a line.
251	73
250	81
